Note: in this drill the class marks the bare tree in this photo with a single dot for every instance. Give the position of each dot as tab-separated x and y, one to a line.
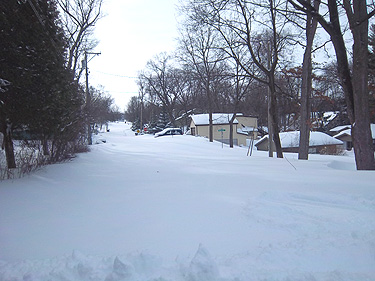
133	109
158	78
355	82
199	51
186	88
79	18
306	89
289	89
256	28
240	84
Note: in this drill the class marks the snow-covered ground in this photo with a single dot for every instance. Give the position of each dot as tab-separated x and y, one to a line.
181	208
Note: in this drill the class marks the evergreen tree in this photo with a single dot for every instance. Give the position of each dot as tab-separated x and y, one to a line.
152	129
43	96
163	121
136	125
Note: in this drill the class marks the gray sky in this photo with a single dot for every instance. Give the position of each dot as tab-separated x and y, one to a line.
130	34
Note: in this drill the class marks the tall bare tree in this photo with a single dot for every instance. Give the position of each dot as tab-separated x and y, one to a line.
200	52
240	85
158	80
304	140
79	18
255	27
354	81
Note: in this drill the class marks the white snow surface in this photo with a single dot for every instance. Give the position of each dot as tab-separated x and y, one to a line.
181	208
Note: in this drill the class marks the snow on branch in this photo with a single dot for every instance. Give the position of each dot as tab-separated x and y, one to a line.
3	83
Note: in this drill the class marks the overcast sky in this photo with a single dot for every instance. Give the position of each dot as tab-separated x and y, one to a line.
130	34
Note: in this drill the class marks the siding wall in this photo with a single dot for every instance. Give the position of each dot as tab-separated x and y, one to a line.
238	139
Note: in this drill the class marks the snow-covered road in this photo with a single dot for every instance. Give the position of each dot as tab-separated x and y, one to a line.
181	208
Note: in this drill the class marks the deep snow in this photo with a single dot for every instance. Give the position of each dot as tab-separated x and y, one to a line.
181	208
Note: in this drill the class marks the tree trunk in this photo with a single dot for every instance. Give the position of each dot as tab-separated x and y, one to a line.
211	127
231	130
355	87
210	121
8	144
45	146
304	140
361	131
273	115
269	124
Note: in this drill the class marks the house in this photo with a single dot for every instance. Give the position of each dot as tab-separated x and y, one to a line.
334	131
319	143
346	137
244	127
344	133
183	121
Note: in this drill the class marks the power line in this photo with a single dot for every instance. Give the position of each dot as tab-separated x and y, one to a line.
42	22
114	92
116	75
36	13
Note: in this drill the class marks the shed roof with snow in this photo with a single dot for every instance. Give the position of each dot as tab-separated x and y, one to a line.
245	130
291	139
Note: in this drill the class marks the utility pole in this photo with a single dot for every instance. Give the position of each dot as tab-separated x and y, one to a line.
88	99
270	127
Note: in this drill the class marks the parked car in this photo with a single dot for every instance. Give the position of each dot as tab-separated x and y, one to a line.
169	132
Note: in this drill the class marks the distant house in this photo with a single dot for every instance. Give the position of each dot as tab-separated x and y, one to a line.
344	133
183	121
244	127
346	137
319	143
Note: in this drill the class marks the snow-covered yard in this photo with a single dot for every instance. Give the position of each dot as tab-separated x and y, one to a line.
181	208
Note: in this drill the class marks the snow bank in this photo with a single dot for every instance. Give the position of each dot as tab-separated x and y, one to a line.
136	267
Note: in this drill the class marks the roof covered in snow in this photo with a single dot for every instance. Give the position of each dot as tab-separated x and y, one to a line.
330	115
348	131
340	128
291	139
217	118
246	130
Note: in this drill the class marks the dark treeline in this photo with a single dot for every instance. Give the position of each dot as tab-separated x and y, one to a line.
241	57
42	103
